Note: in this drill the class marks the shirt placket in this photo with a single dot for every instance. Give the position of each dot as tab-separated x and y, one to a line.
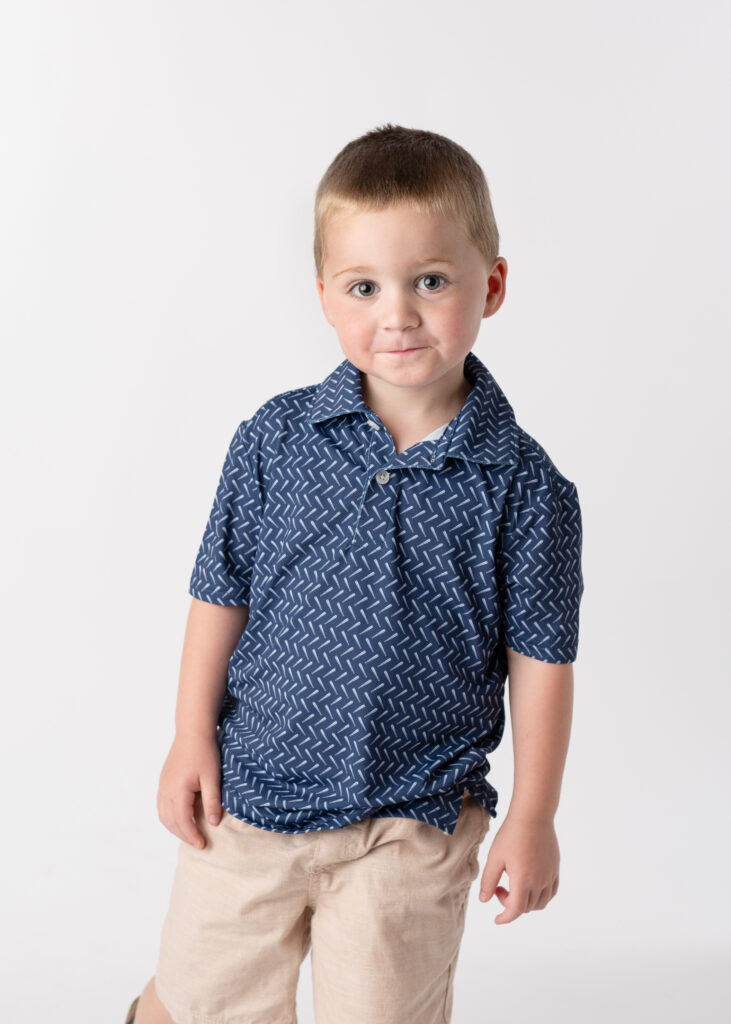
382	464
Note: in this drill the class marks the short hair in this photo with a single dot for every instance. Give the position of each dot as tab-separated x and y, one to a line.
392	164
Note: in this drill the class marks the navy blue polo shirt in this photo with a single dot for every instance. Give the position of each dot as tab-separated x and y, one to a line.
382	589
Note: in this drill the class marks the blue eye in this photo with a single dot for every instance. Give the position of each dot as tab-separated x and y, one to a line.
355	288
357	285
432	276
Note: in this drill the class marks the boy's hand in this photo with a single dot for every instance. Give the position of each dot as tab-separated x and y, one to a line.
193	766
528	852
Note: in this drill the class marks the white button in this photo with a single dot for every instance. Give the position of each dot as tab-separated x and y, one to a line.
383	476
374	424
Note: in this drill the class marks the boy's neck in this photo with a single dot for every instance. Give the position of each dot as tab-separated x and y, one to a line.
411	413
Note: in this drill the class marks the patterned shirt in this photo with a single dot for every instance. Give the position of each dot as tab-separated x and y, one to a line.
382	590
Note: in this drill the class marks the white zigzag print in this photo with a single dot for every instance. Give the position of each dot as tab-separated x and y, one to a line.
382	590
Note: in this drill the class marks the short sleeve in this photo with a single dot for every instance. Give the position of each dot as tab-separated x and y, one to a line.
540	572
225	560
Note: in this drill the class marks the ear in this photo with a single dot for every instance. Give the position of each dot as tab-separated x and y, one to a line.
495	287
323	303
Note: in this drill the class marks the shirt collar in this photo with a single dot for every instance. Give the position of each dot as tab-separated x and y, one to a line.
483	431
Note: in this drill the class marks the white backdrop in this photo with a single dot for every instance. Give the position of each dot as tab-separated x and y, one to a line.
158	162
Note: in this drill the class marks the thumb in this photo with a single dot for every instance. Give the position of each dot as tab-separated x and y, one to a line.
211	799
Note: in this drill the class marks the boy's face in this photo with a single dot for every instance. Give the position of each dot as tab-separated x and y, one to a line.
406	293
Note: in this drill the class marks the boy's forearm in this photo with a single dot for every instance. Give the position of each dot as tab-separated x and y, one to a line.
541	706
211	635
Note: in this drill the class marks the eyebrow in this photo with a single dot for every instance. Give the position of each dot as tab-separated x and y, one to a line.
365	270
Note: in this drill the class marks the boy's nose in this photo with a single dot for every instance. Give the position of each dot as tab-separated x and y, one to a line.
398	313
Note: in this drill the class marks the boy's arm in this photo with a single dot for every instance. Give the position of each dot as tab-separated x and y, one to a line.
211	635
525	847
541	704
193	764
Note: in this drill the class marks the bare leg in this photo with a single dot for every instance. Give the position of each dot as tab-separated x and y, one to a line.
149	1009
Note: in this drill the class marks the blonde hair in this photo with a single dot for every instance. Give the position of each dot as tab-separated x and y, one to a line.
393	164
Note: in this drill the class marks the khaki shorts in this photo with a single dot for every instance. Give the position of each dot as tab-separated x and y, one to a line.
380	903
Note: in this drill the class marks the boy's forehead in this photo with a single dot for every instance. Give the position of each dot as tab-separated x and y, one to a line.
401	228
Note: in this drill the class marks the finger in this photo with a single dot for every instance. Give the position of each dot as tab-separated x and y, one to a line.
166	814
502	894
211	797
505	898
544	897
534	903
515	905
490	878
185	820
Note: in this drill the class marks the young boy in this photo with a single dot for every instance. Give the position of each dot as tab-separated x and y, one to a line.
384	549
